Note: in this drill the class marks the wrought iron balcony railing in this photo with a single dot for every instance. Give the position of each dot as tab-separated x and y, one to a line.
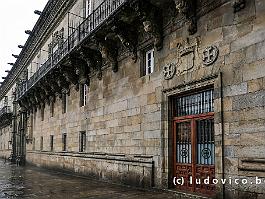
86	28
5	110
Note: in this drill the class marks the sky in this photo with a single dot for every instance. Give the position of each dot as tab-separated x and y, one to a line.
16	16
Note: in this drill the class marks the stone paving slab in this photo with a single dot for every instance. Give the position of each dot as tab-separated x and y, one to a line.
36	183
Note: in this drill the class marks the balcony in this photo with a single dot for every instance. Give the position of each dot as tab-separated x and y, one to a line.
115	26
86	28
5	116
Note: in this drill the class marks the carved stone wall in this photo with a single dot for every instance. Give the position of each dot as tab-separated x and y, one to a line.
127	116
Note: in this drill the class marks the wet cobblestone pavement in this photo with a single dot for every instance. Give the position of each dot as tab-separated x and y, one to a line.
32	182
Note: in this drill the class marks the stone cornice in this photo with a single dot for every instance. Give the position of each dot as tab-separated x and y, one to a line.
53	11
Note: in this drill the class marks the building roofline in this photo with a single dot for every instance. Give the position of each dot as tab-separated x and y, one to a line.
53	10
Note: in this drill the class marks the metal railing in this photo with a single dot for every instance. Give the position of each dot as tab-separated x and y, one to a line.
87	27
5	110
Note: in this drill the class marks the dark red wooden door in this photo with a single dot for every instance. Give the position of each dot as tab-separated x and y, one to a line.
193	135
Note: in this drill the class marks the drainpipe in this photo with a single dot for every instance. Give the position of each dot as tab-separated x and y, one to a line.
222	126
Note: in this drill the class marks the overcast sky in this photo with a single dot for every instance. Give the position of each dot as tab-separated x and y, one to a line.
16	16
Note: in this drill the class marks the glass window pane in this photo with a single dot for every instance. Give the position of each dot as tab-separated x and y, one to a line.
183	141
205	141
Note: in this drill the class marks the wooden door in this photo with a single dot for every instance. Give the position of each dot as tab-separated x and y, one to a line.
193	135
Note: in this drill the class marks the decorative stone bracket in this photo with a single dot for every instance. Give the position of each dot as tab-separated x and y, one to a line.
33	100
188	9
127	35
239	5
93	61
151	17
50	82
68	70
109	51
63	84
24	103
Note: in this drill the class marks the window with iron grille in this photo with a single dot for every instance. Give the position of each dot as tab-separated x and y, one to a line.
82	141
205	141
64	141
198	103
51	142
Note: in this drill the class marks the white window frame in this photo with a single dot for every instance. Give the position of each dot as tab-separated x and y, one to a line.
85	94
149	61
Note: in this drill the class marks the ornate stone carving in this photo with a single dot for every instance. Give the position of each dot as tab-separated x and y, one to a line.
48	91
187	8
93	59
151	18
108	49
52	99
128	37
32	100
39	95
68	69
186	57
50	81
169	71
23	103
210	55
62	82
239	5
71	76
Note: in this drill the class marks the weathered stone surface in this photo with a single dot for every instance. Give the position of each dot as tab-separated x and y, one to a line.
249	101
255	85
236	89
254	70
248	40
128	117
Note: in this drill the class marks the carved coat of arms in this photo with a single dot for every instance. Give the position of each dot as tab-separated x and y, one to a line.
184	61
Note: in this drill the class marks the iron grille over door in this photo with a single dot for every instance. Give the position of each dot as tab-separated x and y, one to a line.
184	142
194	150
205	141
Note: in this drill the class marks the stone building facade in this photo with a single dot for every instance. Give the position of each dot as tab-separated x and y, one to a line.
139	92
